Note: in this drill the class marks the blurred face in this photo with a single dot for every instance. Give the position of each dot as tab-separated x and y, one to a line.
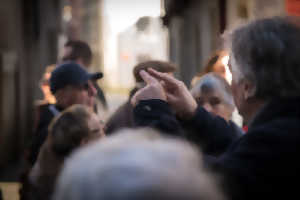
83	94
96	127
213	102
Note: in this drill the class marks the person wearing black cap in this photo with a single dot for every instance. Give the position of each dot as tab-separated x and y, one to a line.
80	52
71	84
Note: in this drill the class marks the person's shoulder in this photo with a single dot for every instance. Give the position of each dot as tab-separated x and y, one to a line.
281	131
121	118
45	110
46	115
279	124
238	130
272	137
123	109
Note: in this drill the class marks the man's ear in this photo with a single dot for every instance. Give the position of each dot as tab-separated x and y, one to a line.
249	89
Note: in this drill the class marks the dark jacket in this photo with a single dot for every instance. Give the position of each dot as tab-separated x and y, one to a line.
43	175
46	114
211	144
157	114
261	164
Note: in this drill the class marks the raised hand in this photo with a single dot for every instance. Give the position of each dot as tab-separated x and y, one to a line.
177	94
153	90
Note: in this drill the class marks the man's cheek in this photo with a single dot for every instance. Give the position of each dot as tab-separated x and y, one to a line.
91	101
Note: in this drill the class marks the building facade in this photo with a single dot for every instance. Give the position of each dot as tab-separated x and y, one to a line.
31	38
145	40
28	42
196	27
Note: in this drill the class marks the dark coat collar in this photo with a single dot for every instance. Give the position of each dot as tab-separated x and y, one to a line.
277	108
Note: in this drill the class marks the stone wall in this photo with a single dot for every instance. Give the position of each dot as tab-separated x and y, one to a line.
28	43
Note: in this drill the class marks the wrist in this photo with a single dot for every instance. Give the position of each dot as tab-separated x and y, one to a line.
188	113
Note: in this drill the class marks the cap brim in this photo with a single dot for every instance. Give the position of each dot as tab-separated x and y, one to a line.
96	76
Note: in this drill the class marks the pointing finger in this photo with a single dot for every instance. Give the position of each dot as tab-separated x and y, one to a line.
168	79
147	77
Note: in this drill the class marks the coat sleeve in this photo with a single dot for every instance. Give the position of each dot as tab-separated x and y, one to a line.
212	133
157	114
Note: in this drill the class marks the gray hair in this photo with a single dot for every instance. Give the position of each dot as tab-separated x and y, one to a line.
214	82
266	53
136	164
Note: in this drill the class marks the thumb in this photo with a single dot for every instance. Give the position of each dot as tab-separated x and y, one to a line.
134	100
147	77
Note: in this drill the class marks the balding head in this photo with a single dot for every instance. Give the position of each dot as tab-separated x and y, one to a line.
137	164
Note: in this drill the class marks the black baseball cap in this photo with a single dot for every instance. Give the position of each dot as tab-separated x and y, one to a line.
70	73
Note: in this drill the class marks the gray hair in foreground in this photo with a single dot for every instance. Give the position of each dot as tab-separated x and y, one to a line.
136	164
266	53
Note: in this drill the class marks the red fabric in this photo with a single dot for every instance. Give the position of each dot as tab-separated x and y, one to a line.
245	128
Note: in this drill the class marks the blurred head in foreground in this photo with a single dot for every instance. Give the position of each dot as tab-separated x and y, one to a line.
136	164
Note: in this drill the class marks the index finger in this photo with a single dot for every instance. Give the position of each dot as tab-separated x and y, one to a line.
167	78
147	77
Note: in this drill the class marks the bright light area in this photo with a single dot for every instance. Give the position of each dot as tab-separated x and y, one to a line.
228	74
123	13
118	15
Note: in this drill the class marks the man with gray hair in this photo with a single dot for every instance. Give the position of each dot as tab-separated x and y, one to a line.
137	165
265	65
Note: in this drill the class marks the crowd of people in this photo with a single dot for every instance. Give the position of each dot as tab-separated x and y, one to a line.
171	142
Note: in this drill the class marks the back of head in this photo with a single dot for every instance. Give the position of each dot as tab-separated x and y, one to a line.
78	50
209	67
213	64
160	66
69	129
266	53
136	164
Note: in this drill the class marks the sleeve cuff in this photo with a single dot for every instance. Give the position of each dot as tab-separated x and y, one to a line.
150	106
